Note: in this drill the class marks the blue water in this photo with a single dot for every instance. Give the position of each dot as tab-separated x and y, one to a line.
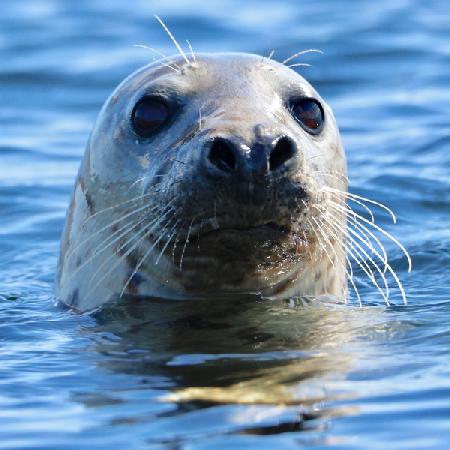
227	376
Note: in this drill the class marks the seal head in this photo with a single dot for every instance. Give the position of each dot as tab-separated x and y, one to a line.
204	180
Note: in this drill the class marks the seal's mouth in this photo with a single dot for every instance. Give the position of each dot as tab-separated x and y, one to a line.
269	230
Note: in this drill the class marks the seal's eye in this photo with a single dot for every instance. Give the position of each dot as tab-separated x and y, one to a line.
309	113
149	115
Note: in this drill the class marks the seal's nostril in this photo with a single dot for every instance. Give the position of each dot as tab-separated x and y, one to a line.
283	151
222	155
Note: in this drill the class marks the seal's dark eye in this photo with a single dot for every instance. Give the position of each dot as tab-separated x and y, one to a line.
309	114
149	115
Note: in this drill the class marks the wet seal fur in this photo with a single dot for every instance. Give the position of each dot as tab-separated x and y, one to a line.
154	217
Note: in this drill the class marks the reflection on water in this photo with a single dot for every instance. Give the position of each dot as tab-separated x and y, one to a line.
242	352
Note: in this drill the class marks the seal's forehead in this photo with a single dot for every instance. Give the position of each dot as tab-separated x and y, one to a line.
227	74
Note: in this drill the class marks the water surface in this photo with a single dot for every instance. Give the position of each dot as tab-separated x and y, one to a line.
234	375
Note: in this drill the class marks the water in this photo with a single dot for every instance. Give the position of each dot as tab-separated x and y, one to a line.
250	375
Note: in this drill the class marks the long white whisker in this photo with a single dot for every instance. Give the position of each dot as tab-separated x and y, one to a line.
334	174
146	231
359	259
172	38
139	180
147	253
174	248
186	242
192	51
200	119
388	266
120	219
104	245
372	218
349	274
167	243
359	197
388	235
109	208
198	234
362	231
161	61
299	65
322	247
303	52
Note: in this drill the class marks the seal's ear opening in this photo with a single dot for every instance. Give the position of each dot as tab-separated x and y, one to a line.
149	115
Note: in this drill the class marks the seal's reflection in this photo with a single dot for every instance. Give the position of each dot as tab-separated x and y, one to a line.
241	351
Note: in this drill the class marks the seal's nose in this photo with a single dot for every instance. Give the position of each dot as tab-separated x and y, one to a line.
223	154
229	157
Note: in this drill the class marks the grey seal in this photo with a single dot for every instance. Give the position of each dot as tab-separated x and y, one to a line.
208	178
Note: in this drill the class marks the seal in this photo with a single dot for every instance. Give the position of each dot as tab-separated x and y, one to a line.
208	178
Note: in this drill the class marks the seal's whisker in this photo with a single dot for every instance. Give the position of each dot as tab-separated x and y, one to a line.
186	242
362	236
172	38
121	258
109	208
327	216
333	173
349	270
388	266
274	114
299	65
360	203
104	245
149	227
198	234
321	245
146	230
361	263
146	254
127	229
349	275
361	230
269	57
192	51
139	180
200	118
170	235
164	58
177	238
321	225
359	259
303	52
372	217
351	196
378	228
109	225
175	67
